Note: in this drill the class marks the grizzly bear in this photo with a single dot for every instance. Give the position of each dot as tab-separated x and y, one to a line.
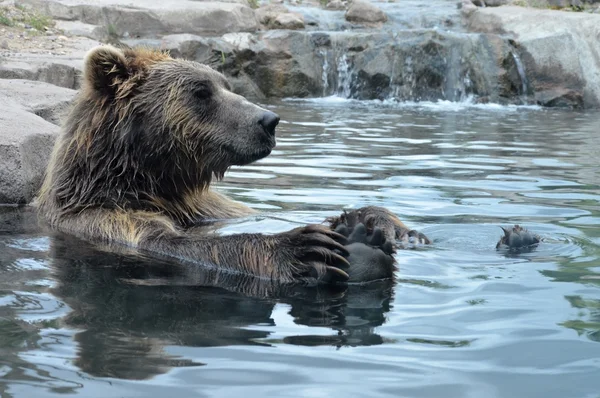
134	162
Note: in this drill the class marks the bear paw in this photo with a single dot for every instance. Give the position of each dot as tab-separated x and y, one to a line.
517	237
314	253
413	237
370	254
375	217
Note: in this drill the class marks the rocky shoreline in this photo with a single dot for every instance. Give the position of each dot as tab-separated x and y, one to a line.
404	51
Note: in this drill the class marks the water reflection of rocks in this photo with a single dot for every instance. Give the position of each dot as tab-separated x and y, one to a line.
130	310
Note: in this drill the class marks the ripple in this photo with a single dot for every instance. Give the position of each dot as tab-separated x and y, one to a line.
461	319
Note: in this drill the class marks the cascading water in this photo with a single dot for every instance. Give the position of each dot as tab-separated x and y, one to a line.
335	81
521	71
344	77
325	73
393	93
432	63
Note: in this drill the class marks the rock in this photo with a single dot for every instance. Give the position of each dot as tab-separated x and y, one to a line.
288	21
26	141
567	77
417	65
467	8
45	100
425	65
496	3
77	28
265	14
62	68
277	16
142	18
363	12
337	5
60	72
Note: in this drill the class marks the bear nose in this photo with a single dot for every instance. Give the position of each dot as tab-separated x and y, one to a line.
269	121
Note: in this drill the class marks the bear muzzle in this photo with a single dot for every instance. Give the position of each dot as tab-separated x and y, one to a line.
269	121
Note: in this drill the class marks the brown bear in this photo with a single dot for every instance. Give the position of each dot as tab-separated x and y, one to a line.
133	165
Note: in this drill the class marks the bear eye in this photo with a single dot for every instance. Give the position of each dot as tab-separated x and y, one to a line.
203	92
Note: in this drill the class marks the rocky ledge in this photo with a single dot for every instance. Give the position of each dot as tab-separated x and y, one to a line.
560	51
30	111
486	50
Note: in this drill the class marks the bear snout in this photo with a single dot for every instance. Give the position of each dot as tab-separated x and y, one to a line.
269	121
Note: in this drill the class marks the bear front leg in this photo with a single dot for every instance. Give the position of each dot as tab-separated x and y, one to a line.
313	253
378	217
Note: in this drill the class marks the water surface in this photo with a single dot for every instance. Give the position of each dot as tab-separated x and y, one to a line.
463	320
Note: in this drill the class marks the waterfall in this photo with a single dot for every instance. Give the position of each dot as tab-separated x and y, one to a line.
344	79
521	71
325	73
336	72
393	88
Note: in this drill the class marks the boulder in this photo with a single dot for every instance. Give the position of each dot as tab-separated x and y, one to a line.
277	16
26	141
417	65
336	5
142	18
363	12
560	56
288	21
58	69
63	74
496	3
45	100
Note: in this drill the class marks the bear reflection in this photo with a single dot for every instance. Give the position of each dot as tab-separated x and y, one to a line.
130	308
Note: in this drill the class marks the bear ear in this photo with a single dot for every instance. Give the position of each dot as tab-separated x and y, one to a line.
105	68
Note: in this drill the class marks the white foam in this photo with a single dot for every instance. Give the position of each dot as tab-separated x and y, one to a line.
436	106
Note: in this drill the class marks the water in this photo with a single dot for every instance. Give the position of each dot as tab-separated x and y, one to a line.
521	71
463	320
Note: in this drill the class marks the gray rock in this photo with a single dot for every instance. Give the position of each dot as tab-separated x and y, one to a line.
77	28
277	16
422	65
337	5
363	12
560	56
45	100
141	18
60	70
266	14
26	141
288	21
54	70
496	3
417	65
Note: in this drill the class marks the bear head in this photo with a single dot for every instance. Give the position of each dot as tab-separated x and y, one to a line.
181	104
147	127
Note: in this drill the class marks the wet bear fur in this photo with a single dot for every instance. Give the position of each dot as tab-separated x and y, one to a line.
136	156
